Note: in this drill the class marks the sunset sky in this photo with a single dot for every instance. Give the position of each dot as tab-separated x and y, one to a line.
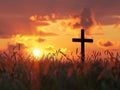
51	24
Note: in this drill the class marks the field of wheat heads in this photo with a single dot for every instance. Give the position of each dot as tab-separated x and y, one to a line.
24	72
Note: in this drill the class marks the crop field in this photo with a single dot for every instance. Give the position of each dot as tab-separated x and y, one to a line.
24	72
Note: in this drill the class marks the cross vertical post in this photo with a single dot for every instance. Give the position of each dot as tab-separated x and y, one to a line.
82	40
82	46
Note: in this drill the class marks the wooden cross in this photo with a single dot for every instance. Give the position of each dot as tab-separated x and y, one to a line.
82	40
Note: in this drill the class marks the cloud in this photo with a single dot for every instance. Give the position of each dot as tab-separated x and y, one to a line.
21	25
40	20
42	33
38	17
28	7
107	44
19	17
17	25
102	8
15	14
85	20
40	40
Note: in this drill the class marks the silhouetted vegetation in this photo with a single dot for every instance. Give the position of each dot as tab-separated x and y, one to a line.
19	72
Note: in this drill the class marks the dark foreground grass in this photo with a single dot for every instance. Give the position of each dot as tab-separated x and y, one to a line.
19	72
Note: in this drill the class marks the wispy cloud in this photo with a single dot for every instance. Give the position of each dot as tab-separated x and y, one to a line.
42	33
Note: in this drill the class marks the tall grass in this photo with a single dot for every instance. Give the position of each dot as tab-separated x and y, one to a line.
20	72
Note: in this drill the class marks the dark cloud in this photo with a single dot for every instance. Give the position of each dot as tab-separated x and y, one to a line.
21	25
12	26
27	7
40	40
104	9
39	6
15	13
104	6
86	20
106	43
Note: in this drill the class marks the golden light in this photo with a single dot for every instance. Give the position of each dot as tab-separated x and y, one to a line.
37	53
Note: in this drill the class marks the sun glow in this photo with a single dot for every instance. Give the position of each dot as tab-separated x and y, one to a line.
37	53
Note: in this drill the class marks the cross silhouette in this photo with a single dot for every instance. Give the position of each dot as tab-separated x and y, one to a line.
82	40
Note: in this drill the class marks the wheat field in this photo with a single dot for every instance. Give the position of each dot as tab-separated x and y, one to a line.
24	72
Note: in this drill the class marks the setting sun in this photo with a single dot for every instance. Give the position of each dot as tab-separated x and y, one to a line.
36	52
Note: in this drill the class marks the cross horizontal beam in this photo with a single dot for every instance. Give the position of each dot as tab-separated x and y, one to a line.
80	40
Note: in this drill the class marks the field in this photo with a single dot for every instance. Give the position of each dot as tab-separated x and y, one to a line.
24	72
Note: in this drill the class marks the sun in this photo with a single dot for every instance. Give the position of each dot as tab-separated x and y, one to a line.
36	52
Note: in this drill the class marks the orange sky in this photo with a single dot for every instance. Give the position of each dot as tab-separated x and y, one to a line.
52	25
